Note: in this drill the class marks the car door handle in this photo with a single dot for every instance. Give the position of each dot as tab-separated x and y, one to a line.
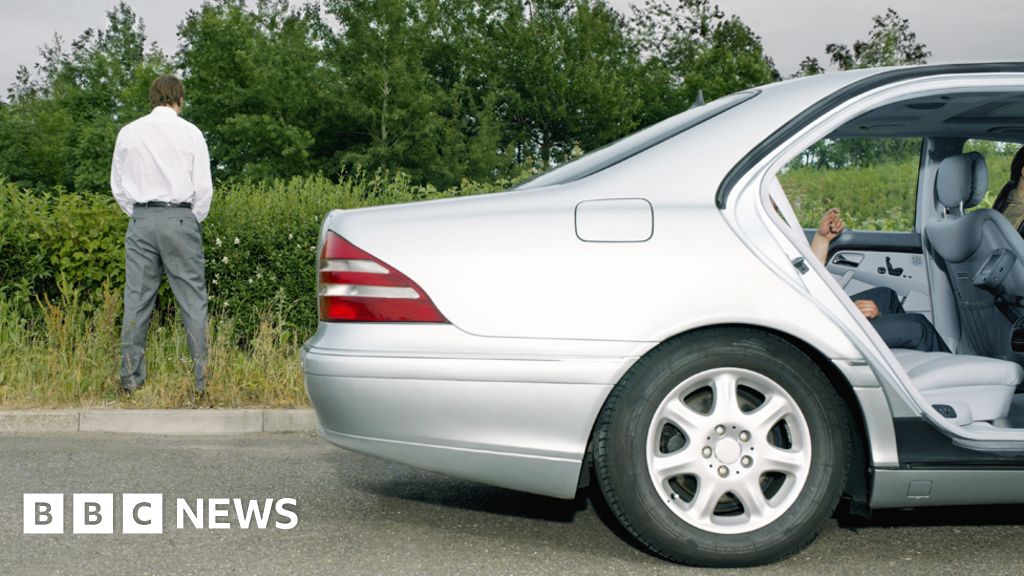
852	260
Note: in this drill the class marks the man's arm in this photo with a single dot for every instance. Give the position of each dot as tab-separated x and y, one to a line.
830	227
202	180
116	168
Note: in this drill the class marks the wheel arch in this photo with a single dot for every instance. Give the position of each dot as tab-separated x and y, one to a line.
857	488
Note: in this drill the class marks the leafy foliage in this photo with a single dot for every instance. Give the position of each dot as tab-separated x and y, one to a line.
890	43
439	89
60	126
879	194
691	46
809	66
46	239
259	243
876	197
254	84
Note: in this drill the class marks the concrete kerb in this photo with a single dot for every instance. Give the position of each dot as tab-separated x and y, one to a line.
29	421
162	422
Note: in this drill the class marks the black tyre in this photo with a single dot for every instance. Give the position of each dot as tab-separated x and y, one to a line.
724	447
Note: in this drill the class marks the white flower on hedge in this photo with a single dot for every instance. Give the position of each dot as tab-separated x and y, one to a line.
224	260
218	242
291	236
250	280
214	280
237	241
259	275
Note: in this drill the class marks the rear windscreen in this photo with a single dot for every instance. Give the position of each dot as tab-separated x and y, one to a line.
635	143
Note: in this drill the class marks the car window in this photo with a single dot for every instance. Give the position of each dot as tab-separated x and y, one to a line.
631	145
873	181
998	156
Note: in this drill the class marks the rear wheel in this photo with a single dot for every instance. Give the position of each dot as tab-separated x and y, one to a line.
726	447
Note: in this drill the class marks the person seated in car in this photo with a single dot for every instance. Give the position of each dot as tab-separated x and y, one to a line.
881	306
1010	201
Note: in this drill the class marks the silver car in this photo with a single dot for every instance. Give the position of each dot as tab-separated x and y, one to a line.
649	321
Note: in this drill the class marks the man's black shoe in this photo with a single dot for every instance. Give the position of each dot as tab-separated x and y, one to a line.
198	398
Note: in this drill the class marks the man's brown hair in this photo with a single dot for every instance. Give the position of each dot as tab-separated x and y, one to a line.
166	90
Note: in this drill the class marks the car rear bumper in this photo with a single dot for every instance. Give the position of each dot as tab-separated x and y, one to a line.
515	413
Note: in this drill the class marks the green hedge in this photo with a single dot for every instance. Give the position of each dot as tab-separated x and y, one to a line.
259	242
44	236
879	197
260	239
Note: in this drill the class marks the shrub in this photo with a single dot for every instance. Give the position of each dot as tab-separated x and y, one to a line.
878	197
259	243
44	237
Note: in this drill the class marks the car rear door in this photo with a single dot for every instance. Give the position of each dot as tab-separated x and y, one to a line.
874	183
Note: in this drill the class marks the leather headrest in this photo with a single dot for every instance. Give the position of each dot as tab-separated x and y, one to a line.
979	180
961	180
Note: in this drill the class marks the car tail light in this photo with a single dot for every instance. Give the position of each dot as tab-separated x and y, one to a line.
357	287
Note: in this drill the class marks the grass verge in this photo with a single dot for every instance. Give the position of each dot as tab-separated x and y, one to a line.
68	356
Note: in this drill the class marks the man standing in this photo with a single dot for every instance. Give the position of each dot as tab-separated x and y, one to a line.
160	176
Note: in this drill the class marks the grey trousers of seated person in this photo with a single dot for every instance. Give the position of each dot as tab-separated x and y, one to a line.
897	328
162	240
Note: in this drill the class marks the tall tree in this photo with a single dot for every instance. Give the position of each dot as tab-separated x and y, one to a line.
462	57
35	142
61	124
440	89
391	102
691	46
254	82
809	66
567	72
891	42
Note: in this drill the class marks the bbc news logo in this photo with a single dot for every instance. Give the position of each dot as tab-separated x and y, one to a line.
143	513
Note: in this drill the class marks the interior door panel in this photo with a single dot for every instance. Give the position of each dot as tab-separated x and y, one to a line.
863	260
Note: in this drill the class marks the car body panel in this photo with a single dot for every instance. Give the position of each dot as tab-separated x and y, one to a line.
938	487
538	280
510	412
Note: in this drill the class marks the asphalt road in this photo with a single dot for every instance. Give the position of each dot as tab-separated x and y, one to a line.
360	515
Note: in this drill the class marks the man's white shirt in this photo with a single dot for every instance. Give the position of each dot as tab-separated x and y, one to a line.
161	158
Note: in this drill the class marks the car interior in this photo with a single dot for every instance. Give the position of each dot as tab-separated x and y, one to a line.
961	264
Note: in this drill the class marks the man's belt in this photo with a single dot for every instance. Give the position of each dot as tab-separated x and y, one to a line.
164	205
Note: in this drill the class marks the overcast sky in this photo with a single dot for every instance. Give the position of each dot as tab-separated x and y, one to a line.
790	29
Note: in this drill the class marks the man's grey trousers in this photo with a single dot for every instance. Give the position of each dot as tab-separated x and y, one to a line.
162	240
